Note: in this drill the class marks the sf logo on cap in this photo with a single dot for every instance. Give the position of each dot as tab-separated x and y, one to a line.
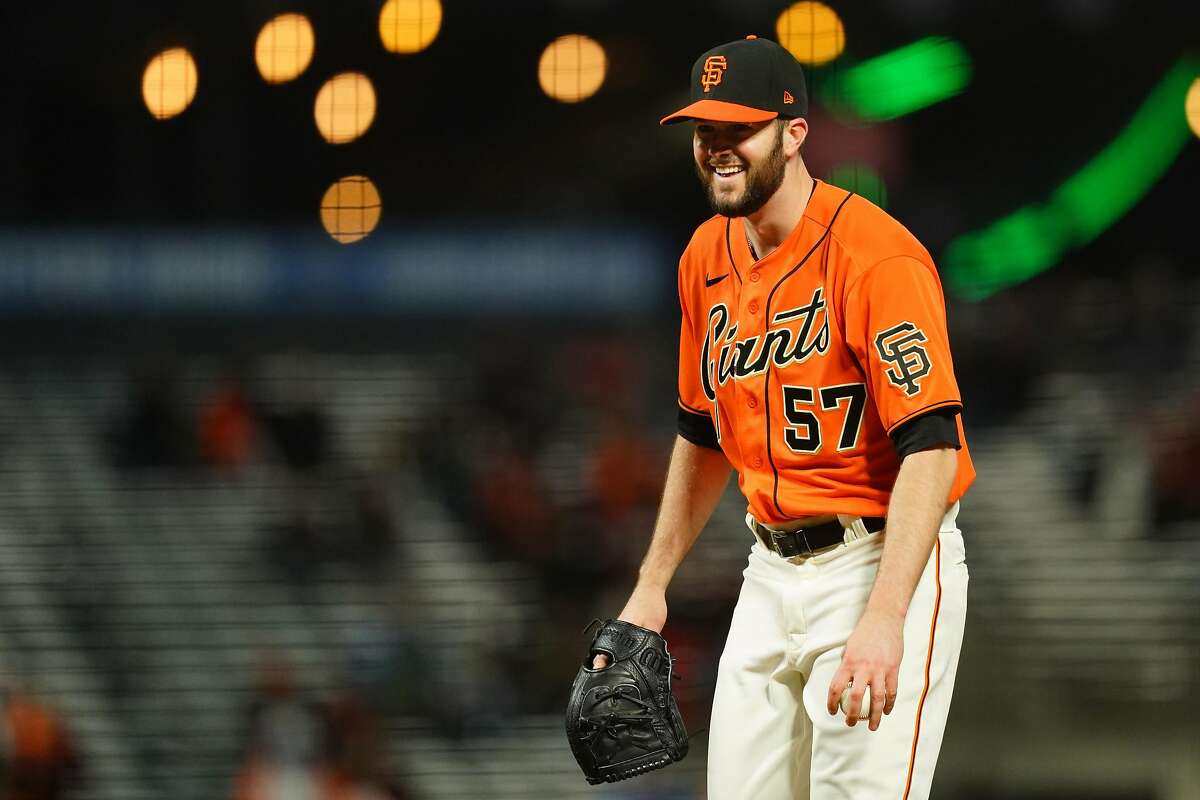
714	70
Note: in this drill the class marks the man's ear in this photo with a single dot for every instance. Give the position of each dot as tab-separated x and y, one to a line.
794	132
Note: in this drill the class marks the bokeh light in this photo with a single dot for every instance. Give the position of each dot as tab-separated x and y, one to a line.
1192	107
812	32
169	82
861	179
409	26
572	68
345	107
350	209
284	48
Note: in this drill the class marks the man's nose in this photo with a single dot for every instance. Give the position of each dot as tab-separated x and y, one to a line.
720	144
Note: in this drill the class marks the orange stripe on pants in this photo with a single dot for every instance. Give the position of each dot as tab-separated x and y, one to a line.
937	604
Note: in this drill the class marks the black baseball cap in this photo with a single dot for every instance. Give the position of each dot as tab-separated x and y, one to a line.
747	80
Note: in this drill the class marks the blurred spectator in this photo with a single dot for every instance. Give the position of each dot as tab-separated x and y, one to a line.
1175	452
626	472
998	358
354	751
152	432
516	509
301	435
516	395
286	743
297	422
40	763
297	544
327	521
371	542
442	455
1157	322
227	425
1077	415
605	372
405	666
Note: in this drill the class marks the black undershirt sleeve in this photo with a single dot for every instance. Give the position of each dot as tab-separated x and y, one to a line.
698	429
935	429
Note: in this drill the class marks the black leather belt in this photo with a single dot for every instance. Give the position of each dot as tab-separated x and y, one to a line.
809	541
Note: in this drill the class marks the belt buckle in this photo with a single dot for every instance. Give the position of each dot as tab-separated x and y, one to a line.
787	543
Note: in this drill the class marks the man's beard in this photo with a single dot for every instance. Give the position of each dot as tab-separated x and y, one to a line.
762	181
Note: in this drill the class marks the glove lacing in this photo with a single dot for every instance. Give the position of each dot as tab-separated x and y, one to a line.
611	724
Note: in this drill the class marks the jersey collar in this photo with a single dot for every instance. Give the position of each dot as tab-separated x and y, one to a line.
817	213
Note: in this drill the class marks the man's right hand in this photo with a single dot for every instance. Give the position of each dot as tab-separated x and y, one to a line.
646	608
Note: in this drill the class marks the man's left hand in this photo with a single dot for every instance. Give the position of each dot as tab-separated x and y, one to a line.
871	661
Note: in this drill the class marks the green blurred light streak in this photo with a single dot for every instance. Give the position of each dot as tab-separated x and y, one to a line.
902	81
1034	238
1104	190
861	179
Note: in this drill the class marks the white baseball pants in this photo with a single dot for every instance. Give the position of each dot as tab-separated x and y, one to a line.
771	737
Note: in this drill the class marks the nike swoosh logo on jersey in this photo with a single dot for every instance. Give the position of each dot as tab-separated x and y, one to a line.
714	281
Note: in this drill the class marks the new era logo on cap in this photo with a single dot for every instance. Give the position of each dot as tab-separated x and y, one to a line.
787	98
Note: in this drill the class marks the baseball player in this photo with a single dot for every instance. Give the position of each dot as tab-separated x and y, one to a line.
814	361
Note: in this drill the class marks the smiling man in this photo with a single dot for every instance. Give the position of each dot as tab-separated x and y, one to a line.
814	362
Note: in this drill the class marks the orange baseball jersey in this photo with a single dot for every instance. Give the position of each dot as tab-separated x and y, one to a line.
807	360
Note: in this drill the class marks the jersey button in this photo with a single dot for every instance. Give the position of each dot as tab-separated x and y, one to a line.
754	277
757	462
753	306
750	401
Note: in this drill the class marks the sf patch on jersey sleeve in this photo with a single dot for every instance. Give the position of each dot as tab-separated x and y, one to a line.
896	325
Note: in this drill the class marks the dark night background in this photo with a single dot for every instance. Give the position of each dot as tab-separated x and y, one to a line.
275	506
464	134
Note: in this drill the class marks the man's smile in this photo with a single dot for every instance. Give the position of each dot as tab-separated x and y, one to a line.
726	172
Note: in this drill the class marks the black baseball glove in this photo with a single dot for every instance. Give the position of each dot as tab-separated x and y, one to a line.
622	720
